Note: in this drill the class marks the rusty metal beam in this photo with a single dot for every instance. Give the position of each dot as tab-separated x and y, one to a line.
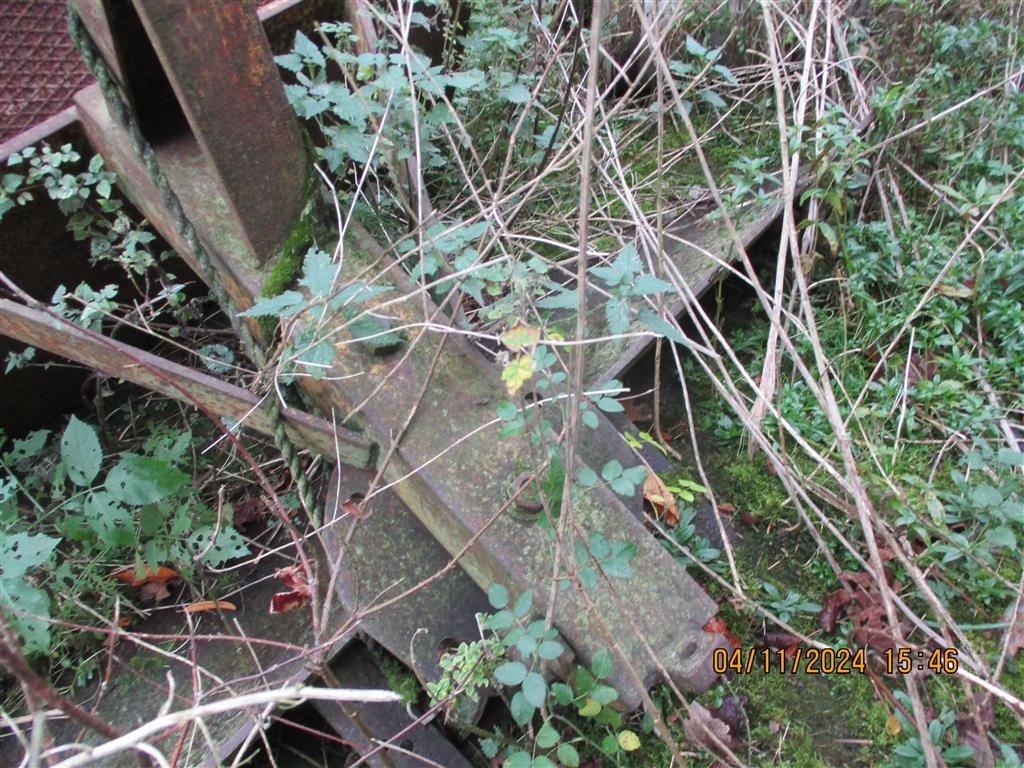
114	358
220	66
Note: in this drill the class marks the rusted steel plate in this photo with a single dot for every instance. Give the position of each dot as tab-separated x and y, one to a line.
368	728
201	196
455	474
385	552
220	66
114	358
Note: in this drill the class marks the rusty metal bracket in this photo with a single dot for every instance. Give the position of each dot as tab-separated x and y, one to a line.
114	358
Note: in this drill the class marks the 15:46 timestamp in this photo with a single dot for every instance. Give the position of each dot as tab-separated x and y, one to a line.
903	661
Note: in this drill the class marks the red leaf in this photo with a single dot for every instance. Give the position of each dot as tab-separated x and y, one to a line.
294	578
282	602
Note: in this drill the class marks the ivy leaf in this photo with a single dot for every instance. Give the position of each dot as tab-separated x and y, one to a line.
81	453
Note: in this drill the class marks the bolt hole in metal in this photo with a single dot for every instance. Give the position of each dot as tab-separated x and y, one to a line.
447	645
527	506
353	506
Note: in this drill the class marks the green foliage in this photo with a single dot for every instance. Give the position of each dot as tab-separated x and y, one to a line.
63	497
95	215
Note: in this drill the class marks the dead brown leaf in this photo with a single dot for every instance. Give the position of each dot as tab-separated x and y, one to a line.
154	591
637	410
661	499
704	730
833	609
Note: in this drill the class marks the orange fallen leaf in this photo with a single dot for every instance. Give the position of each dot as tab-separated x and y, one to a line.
161	574
664	503
727	509
209	605
715	625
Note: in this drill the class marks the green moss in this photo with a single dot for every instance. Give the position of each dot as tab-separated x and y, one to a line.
289	260
398	678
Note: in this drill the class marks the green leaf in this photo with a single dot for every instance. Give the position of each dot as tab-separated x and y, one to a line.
138	480
587	477
22	551
611	470
497	595
550	649
81	453
318	272
563	693
28	610
517	93
617	313
28	447
499	621
523	604
522	711
649	285
547	737
535	689
519	759
308	50
601	664
568	756
712	98
283	305
695	48
510	673
604	694
564	299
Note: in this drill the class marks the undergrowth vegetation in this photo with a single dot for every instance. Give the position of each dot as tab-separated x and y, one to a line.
845	407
